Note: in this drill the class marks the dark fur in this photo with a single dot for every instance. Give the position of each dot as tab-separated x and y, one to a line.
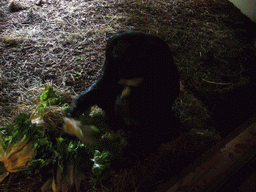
131	54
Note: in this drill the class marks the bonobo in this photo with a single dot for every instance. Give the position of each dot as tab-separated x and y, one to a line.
138	87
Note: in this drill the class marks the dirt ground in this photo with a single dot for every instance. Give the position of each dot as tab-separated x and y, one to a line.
61	42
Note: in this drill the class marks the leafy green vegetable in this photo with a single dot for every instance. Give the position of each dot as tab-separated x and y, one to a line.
97	119
102	162
48	97
22	129
65	160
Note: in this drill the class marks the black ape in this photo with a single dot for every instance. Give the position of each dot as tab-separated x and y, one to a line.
139	85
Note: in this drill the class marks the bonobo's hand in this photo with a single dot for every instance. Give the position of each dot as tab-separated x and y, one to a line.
72	111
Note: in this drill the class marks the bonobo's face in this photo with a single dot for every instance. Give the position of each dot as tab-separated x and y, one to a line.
129	90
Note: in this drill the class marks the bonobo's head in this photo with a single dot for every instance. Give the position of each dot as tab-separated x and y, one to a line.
144	68
135	54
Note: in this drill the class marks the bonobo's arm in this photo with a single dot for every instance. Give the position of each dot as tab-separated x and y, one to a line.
87	98
84	100
102	93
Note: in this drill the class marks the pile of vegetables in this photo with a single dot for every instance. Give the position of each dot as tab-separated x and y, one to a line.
35	145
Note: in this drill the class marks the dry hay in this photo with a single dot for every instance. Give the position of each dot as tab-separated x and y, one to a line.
63	42
191	111
29	99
